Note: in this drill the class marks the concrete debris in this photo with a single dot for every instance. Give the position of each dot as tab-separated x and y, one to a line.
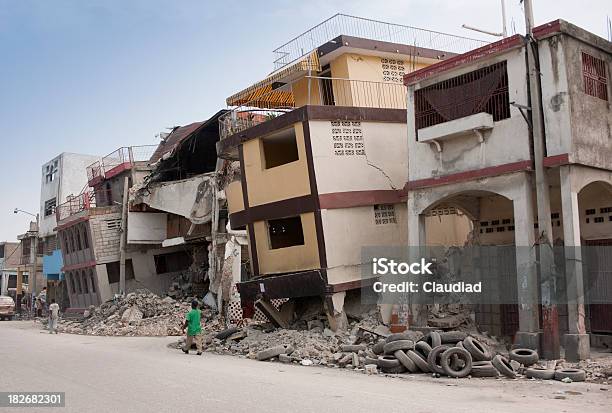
140	313
360	348
131	315
371	369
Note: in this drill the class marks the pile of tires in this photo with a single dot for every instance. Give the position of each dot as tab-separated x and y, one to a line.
393	355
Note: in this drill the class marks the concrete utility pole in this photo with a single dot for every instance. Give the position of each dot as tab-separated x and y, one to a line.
550	317
34	259
123	239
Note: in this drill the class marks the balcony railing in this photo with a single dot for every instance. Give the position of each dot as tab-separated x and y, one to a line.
342	24
120	159
82	202
325	91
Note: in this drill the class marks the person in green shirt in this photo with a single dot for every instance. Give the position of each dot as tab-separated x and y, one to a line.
194	329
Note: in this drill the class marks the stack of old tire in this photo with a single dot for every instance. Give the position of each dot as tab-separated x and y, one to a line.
528	358
452	354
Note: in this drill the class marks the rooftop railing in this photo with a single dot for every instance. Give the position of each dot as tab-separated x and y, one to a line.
325	91
122	157
343	24
82	202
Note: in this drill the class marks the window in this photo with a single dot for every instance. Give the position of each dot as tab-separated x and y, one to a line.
285	232
172	262
50	171
25	248
66	242
114	223
85	284
72	242
85	240
93	281
279	149
594	76
113	271
78	238
2	251
483	90
50	207
72	287
384	214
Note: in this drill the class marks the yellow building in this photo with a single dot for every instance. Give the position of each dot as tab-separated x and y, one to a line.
323	157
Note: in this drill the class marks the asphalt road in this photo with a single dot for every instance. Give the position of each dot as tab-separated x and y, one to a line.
141	374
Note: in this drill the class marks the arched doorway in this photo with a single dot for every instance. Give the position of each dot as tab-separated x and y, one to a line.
484	229
595	222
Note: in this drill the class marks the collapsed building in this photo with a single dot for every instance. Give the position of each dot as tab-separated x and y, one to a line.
321	144
329	164
185	192
152	218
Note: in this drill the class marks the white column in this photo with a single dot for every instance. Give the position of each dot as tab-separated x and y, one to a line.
526	271
577	346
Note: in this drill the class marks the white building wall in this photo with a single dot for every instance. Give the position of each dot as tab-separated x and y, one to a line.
465	153
70	179
383	165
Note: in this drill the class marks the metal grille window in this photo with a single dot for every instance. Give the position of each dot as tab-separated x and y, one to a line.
594	76
50	207
483	90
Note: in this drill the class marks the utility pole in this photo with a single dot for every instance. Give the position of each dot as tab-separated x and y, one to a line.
550	317
18	289
33	260
123	239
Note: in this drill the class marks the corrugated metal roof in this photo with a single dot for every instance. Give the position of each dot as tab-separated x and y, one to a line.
177	136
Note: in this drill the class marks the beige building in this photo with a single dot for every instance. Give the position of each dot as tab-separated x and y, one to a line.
470	147
323	158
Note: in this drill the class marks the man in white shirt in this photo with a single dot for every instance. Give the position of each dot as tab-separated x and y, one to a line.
53	316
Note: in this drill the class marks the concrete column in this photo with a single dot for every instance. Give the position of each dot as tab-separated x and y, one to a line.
526	271
18	289
334	309
577	346
417	240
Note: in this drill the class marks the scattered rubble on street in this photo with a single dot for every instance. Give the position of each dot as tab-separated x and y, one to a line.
140	313
367	346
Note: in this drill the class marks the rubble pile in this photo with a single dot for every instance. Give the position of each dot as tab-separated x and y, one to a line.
597	369
371	349
140	313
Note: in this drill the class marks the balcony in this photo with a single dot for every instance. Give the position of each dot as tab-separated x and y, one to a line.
323	91
83	202
343	24
118	161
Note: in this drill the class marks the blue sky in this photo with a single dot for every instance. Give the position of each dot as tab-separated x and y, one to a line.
89	76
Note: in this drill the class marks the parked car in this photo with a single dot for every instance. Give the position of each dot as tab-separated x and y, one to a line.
7	307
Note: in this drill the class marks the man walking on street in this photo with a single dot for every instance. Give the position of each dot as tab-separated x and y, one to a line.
53	316
194	329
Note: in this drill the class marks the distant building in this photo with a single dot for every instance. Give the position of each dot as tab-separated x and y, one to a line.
10	253
62	177
89	227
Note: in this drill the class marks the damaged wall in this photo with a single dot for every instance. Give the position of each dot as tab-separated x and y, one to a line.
191	198
358	156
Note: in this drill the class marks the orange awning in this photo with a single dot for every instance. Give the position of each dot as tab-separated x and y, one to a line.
263	94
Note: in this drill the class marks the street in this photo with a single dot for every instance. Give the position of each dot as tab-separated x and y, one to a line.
141	374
